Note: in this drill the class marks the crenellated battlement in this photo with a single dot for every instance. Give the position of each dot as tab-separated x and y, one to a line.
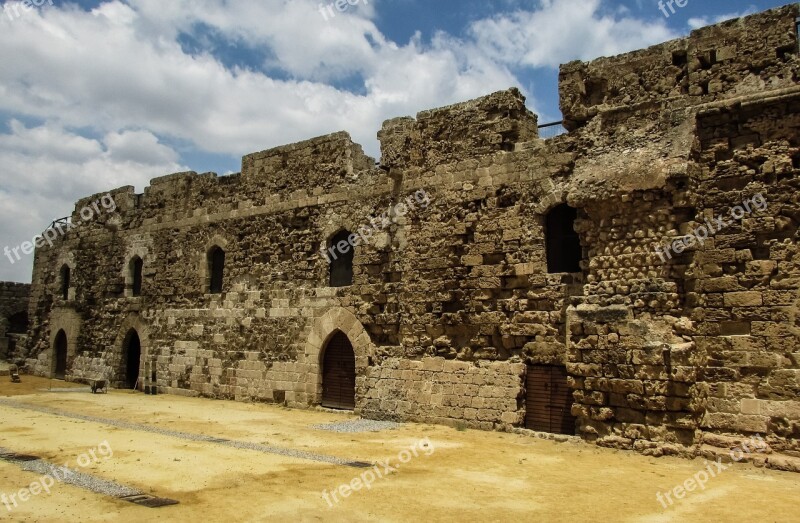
728	61
324	162
471	129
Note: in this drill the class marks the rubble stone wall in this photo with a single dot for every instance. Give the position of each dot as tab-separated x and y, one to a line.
668	350
13	302
713	64
745	281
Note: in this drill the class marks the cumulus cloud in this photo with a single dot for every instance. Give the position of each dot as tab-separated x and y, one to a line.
564	30
111	87
702	21
140	76
47	168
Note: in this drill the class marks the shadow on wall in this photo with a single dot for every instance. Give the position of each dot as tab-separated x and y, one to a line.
15	335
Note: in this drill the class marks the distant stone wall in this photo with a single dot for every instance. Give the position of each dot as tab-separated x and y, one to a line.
326	162
13	302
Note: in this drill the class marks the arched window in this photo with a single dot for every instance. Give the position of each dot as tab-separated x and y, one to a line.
563	244
65	281
136	266
216	269
340	257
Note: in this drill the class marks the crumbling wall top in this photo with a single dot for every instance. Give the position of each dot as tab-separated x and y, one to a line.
325	161
734	58
486	125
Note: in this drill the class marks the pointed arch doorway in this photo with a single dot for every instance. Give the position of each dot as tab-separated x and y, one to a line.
61	356
133	355
339	373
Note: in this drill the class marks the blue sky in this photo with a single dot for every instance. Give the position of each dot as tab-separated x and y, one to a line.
99	94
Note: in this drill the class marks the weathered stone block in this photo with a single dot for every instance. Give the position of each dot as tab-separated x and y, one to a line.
743	299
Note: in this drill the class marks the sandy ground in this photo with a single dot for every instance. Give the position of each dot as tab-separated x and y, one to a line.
469	476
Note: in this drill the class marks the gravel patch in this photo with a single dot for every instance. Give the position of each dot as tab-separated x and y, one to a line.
245	445
358	425
73	477
73	389
79	479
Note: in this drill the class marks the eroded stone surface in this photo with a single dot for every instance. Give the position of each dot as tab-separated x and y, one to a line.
666	354
14	298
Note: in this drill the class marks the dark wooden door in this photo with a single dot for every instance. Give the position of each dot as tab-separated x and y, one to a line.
61	356
339	374
549	400
134	355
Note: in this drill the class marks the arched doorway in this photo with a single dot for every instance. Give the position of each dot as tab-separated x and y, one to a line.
133	355
61	355
339	374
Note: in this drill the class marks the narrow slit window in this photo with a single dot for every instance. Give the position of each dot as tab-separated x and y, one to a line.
65	281
137	265
216	269
797	31
340	256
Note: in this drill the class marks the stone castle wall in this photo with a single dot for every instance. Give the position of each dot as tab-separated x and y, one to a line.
13	304
452	299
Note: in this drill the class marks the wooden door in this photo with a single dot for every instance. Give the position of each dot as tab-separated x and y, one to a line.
61	355
339	374
549	400
133	356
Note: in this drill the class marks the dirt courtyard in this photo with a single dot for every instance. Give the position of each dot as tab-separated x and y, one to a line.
422	472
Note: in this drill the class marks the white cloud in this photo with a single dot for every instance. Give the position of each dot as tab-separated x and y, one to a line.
702	21
46	169
108	83
564	30
118	67
137	147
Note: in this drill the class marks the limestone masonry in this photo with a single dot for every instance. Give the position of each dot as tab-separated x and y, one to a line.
13	317
529	292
